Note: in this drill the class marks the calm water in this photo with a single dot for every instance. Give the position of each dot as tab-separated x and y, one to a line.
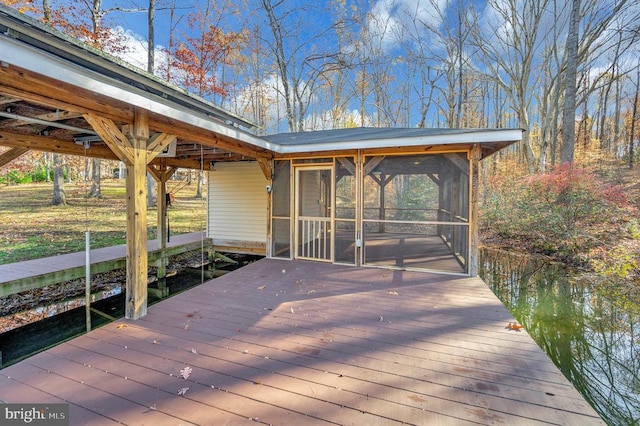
590	330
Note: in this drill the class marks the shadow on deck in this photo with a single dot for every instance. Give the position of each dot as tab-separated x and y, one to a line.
280	342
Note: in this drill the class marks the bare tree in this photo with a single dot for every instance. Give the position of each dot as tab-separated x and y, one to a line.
571	67
424	71
509	54
254	99
299	58
601	26
331	93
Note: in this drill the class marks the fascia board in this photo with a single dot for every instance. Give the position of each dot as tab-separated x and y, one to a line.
13	52
507	135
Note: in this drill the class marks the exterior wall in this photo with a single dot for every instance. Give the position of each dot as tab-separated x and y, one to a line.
237	207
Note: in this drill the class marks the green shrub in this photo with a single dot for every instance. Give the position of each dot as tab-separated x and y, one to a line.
15	177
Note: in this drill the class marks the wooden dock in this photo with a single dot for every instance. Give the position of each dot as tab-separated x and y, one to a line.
30	274
304	343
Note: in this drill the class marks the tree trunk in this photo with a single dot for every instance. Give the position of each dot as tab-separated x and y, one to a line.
569	109
199	186
151	38
59	197
151	191
634	118
616	117
47	167
87	169
95	191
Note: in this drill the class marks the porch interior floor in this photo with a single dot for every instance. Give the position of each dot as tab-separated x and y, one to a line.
401	250
411	251
299	342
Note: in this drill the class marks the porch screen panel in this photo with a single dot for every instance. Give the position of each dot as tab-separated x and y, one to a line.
345	210
415	211
454	205
281	210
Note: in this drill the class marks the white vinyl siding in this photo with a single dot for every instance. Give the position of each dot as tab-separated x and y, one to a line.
237	203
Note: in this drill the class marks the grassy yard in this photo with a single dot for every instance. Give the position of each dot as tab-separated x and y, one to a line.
30	227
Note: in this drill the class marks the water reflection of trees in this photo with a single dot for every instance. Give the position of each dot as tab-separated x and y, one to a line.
585	330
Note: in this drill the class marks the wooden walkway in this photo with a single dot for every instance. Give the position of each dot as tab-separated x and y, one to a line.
305	343
21	276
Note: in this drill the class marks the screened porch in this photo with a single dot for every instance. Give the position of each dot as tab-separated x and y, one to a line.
404	211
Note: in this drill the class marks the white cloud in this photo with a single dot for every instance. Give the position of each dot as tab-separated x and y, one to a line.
393	22
328	120
137	49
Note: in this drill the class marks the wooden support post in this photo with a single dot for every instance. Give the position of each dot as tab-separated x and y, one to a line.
382	228
137	262
268	169
474	237
161	174
133	146
161	226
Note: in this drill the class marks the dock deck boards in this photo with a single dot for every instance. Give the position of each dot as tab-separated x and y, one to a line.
280	342
29	274
47	265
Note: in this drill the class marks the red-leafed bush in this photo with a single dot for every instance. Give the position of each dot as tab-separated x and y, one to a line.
564	213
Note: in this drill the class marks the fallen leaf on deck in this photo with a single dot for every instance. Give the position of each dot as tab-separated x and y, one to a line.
182	391
514	326
185	372
416	398
393	293
262	287
121	326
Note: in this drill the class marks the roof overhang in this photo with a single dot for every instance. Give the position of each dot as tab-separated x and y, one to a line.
491	140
